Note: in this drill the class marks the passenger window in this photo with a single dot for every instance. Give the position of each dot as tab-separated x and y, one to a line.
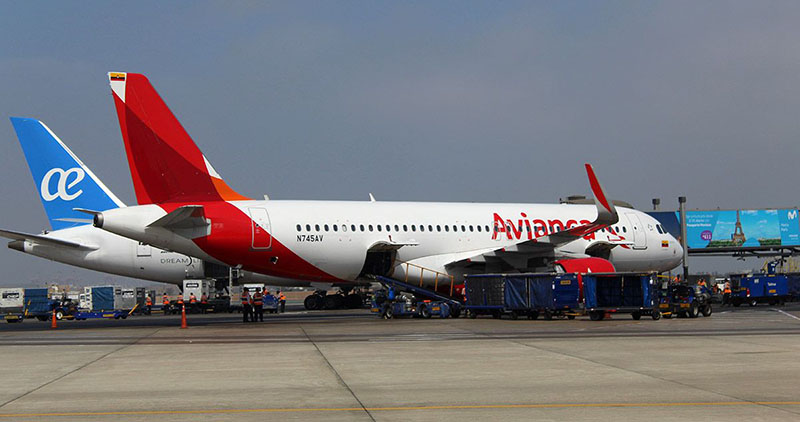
624	229
308	227
405	228
413	228
370	227
316	227
438	228
446	228
335	228
388	228
479	228
487	228
470	227
430	228
396	228
352	227
326	227
463	228
299	228
378	226
455	228
344	227
422	227
361	226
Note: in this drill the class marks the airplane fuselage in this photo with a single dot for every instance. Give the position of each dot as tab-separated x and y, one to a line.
328	241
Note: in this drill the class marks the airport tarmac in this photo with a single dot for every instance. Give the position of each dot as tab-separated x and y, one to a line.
740	364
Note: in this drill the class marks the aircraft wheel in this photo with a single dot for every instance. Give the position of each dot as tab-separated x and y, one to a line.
656	315
312	302
424	311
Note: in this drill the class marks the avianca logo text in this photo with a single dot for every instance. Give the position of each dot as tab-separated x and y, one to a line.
532	228
524	227
63	185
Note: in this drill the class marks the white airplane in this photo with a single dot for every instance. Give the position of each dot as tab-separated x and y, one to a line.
64	182
185	206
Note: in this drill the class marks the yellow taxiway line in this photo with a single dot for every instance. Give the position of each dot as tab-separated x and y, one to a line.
400	408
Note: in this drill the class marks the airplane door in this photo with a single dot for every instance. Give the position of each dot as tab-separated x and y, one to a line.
639	234
143	249
260	228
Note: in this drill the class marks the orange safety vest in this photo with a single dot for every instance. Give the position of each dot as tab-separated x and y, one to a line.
245	298
258	299
192	298
282	297
165	299
149	301
204	299
180	299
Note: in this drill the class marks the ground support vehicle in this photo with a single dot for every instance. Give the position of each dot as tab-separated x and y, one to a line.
86	314
631	293
106	302
683	300
12	304
762	288
431	302
406	305
524	295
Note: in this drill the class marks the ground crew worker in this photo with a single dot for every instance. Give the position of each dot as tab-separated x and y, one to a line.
702	282
165	303
204	302
258	305
148	303
246	308
726	294
180	298
282	301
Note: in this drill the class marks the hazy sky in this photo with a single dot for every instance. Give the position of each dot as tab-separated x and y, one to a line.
450	101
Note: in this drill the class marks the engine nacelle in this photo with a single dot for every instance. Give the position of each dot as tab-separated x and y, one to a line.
584	265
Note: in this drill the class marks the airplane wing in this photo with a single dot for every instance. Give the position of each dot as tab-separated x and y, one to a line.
185	217
44	240
517	255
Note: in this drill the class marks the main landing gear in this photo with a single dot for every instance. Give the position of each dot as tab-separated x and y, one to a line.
320	299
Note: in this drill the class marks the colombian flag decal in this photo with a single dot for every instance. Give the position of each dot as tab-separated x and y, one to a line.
117	76
665	243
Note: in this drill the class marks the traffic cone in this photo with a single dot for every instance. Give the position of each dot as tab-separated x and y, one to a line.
53	324
183	317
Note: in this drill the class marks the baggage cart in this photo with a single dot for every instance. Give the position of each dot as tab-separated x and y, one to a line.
631	293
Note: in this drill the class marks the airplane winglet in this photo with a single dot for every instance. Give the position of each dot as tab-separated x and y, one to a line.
606	211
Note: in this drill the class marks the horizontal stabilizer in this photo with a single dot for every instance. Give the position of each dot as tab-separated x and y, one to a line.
185	217
44	240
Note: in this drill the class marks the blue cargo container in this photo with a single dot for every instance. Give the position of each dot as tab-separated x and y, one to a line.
528	295
764	288
635	294
37	303
102	298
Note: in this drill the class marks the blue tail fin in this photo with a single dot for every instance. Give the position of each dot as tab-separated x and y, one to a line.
62	180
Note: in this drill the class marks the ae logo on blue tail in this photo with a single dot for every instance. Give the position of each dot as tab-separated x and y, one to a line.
64	183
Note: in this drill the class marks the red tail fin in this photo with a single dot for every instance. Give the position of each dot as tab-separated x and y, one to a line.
165	163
